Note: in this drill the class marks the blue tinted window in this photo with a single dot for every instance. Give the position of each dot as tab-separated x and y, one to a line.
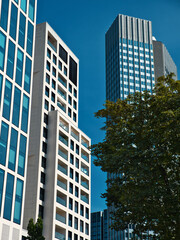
3	143
12	150
16	1
7	100
9	196
27	79
19	67
31	9
25	113
22	155
1	186
22	29
30	38
16	107
10	60
1	81
4	14
13	21
24	5
18	201
2	49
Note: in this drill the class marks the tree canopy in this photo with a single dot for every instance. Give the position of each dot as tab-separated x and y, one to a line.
35	229
141	153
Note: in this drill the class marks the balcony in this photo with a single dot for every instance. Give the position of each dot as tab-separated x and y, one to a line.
61	106
63	140
85	184
60	236
63	154
62	169
85	144
64	126
75	135
61	201
60	218
84	170
85	157
85	199
51	45
62	81
61	184
62	94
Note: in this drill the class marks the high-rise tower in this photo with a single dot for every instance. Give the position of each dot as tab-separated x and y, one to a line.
17	34
58	172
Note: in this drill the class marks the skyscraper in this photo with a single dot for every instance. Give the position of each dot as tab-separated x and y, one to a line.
17	34
58	173
132	59
99	225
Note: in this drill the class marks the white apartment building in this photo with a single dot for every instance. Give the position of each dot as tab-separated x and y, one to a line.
59	164
17	36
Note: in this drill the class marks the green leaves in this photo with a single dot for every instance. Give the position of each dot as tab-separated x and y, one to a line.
35	230
142	146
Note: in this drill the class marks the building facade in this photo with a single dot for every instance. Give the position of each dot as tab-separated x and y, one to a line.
58	172
17	35
99	225
132	60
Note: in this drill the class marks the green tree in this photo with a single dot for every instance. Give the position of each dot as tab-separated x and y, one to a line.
141	152
35	229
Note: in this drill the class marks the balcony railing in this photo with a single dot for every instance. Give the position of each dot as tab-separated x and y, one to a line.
60	236
62	81
61	201
74	135
85	144
61	106
62	169
85	199
63	155
64	126
85	157
85	184
63	140
62	185
62	94
60	218
84	170
51	45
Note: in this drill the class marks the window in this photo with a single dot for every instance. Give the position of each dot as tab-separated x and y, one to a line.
69	235
76	191
22	30
8	196
3	142
53	97
48	53
72	145
27	78
77	177
60	65
77	149
22	155
13	21
54	72
69	112
75	105
75	237
4	14
52	108
76	223
30	39
18	201
54	59
70	220
71	173
47	91
43	163
70	88
16	107
70	204
46	118
73	71
71	188
13	149
53	84
47	78
46	105
19	67
74	116
62	54
87	213
81	226
41	211
31	9
70	100
82	210
25	113
65	71
77	162
71	159
1	186
43	178
1	82
24	5
2	49
42	193
44	147
7	100
45	132
48	66
76	207
87	229
75	93
10	60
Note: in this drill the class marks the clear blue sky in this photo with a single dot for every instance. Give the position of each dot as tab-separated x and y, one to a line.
82	25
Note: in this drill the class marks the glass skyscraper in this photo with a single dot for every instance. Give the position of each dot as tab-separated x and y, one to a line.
17	34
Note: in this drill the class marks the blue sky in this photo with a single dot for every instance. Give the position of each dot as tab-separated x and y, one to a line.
82	25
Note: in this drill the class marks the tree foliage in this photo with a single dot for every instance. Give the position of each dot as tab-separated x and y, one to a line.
141	153
35	229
